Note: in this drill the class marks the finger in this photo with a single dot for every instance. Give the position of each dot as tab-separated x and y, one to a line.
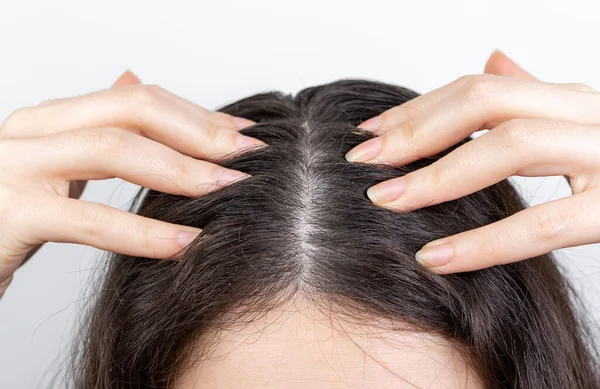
393	117
128	78
102	153
498	64
105	228
524	147
501	65
220	118
139	108
5	281
484	102
398	115
568	222
28	256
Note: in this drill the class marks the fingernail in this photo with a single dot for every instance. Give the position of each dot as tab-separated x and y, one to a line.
129	72
371	124
434	256
230	176
186	237
387	191
246	141
127	78
242	123
365	151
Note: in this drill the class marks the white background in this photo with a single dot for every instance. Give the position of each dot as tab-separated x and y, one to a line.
214	52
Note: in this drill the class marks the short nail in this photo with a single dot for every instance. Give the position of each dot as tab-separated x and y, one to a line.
242	123
434	256
127	78
387	191
371	124
365	151
244	141
186	237
229	176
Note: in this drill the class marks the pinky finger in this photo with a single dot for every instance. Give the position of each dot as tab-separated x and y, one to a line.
4	283
110	229
538	230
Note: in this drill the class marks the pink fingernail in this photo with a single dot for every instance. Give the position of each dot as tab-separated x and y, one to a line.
186	237
371	124
242	123
387	191
434	256
365	151
244	141
230	176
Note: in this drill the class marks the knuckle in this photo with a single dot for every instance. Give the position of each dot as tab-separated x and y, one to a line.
548	225
427	184
580	182
8	151
9	200
141	96
109	140
90	221
394	118
489	245
15	120
433	177
183	170
436	177
409	130
514	134
4	285
479	85
49	102
463	79
141	235
212	131
582	87
390	114
154	88
145	239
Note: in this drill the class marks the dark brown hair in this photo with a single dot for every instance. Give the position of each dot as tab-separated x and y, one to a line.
302	224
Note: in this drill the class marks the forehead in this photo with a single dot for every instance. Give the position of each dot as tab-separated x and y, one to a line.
304	348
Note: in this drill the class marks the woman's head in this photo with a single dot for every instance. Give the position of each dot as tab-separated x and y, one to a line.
299	281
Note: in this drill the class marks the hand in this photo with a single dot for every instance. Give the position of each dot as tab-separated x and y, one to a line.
142	134
536	129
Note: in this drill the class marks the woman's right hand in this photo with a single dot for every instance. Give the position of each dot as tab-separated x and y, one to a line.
142	134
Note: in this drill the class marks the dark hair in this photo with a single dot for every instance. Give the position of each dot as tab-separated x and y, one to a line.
302	224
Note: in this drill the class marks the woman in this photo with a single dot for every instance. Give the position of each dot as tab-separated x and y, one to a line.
298	236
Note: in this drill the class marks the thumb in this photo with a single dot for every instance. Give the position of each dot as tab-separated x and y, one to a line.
499	64
127	78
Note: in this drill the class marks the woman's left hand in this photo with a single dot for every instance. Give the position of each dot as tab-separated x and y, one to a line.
536	129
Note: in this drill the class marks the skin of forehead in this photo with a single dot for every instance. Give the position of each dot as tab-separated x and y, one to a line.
300	347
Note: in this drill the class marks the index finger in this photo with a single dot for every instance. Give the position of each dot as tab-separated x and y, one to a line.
498	63
482	103
144	109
